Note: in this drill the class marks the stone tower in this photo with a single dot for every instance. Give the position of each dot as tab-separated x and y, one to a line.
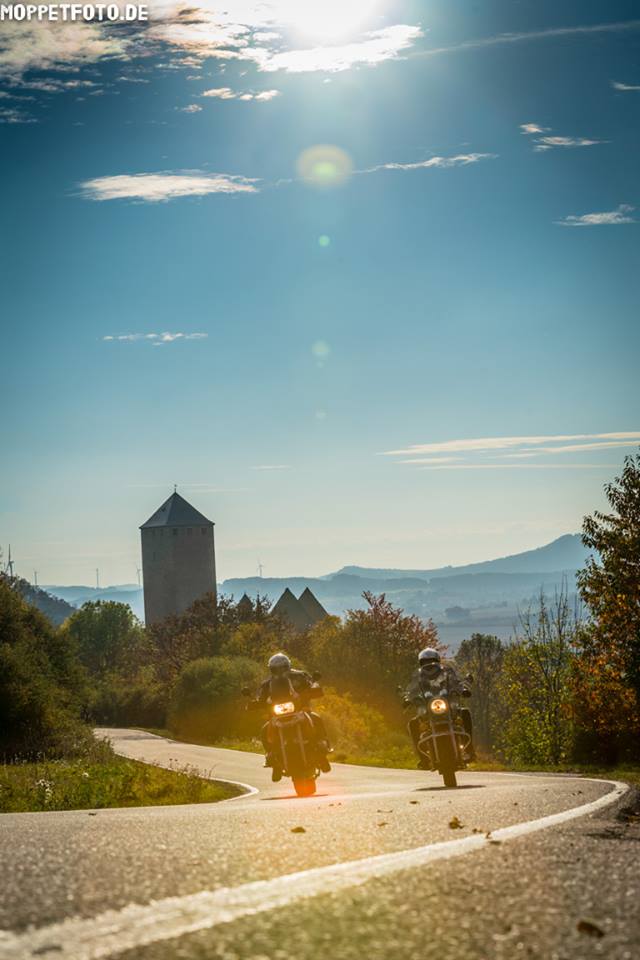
178	558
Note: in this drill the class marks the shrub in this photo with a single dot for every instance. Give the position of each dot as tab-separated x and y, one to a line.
206	702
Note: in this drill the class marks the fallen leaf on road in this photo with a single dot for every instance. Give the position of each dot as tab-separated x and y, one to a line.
414	801
383	823
298	830
592	929
454	824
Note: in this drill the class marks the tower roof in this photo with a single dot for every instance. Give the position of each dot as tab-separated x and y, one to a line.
312	606
177	512
291	610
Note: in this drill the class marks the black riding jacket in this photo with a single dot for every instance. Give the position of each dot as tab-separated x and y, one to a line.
446	680
297	681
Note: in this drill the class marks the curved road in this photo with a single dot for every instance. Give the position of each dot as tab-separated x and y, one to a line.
382	863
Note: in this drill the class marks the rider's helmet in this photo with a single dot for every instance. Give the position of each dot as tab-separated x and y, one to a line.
429	662
279	665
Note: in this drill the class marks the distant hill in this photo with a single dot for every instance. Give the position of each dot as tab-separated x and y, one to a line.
484	597
54	608
567	553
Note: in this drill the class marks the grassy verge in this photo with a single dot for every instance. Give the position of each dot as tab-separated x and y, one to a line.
101	780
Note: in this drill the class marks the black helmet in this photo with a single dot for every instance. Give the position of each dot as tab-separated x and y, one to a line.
279	664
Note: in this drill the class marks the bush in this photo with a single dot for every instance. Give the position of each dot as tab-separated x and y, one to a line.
206	701
40	685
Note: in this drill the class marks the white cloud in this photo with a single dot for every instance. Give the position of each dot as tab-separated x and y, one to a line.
606	218
492	444
495	453
624	86
9	115
376	47
226	93
531	128
43	45
550	143
461	160
272	466
157	187
156	339
191	108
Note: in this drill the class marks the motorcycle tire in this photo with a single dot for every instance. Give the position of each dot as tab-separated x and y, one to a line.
447	767
304	787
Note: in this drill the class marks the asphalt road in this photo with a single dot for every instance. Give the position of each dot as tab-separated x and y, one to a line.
382	863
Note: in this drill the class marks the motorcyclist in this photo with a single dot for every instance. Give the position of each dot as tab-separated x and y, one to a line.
284	681
432	676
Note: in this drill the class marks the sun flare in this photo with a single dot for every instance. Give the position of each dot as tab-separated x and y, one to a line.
326	19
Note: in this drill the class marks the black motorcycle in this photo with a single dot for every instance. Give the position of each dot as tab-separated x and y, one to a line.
443	741
292	736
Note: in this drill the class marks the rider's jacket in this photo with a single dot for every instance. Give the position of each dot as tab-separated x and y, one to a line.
297	681
446	680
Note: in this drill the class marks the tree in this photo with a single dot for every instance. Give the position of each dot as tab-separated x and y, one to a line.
481	655
372	651
610	581
206	702
41	684
535	688
107	636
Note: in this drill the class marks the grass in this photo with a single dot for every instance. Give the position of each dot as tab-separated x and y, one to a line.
99	780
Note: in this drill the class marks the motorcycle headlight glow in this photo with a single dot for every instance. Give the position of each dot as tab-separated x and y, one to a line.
438	706
281	709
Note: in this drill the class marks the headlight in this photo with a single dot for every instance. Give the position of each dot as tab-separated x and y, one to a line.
280	709
438	706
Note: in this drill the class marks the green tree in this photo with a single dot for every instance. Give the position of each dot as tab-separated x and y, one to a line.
41	684
481	655
107	635
535	687
610	581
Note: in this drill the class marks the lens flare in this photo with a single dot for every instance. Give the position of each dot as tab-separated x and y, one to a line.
324	166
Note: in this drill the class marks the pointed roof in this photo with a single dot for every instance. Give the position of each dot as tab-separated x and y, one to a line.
312	606
291	610
177	512
245	605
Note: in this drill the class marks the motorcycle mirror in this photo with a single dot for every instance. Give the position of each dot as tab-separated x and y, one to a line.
316	676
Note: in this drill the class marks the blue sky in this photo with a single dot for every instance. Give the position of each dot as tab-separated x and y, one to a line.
296	263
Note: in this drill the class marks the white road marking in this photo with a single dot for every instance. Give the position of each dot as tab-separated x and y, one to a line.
136	926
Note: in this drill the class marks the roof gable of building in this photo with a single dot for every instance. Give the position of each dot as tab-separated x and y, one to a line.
177	512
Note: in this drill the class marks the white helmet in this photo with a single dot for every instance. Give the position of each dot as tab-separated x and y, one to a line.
428	656
279	664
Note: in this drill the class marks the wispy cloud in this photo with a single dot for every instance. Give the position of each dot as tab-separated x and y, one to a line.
158	187
524	37
491	453
272	466
544	142
624	86
461	160
11	115
606	218
226	93
43	46
155	339
191	108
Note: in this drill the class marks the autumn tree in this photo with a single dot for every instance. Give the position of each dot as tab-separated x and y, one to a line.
373	651
106	635
610	581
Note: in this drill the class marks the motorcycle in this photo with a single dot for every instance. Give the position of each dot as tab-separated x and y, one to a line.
443	741
292	736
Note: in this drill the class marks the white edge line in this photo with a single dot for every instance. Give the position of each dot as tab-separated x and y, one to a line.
136	926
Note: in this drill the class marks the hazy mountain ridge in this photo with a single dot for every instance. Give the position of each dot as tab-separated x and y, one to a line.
485	596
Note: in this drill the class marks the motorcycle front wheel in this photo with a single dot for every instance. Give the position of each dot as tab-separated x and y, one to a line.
447	765
305	787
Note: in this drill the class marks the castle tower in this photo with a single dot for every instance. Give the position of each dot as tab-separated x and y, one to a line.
178	558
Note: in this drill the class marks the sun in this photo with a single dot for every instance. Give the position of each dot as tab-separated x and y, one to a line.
326	19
